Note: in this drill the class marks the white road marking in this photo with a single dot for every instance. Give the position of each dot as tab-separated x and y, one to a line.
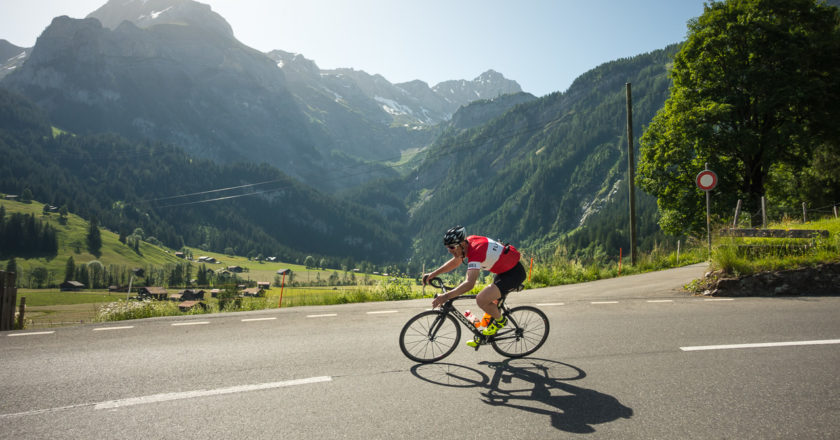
325	315
258	319
191	323
550	304
113	328
760	345
31	333
165	397
380	312
604	302
660	301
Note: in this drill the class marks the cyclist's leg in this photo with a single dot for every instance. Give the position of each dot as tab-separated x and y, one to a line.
485	299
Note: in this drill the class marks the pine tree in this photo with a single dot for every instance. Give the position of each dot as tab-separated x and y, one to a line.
94	238
69	268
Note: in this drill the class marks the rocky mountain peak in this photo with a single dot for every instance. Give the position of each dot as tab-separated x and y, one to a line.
147	13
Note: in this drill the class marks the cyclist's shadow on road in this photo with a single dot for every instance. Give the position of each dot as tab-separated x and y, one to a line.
535	385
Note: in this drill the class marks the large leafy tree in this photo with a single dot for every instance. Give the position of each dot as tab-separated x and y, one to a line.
755	88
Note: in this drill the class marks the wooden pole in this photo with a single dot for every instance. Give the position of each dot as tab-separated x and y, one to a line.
8	299
619	261
763	212
282	284
21	311
835	211
804	213
678	252
737	213
631	171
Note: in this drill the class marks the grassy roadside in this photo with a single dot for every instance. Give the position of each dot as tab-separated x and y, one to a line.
736	256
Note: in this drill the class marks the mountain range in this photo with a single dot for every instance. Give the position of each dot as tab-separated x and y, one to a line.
356	166
172	70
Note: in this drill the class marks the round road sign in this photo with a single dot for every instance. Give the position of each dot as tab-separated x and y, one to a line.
706	180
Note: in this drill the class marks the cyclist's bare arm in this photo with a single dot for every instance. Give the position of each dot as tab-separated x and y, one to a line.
447	267
466	286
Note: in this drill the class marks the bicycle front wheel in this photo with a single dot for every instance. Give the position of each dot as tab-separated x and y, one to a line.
525	333
430	336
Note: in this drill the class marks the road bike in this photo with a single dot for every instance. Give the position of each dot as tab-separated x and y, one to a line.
433	335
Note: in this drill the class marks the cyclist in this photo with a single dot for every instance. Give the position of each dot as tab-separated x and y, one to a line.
480	253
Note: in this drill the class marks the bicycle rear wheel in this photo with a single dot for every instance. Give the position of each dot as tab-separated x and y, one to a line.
525	333
429	336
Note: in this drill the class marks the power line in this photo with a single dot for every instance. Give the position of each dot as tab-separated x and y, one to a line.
457	148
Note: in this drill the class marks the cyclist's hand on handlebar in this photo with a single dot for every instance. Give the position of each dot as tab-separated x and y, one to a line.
426	278
439	300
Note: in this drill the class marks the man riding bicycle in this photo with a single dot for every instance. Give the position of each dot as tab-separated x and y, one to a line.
480	253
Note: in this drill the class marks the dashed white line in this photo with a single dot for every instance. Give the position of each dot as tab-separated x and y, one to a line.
258	319
382	312
760	345
31	333
325	315
191	323
165	397
113	328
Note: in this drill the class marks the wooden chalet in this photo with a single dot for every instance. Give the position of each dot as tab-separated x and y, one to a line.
157	293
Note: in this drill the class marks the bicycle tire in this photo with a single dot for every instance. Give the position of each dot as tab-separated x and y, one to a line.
525	333
420	342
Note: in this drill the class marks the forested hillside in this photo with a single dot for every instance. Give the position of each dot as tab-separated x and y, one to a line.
126	185
543	169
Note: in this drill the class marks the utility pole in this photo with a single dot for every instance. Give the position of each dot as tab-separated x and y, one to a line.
631	176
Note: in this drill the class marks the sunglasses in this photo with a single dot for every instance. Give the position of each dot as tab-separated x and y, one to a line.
452	246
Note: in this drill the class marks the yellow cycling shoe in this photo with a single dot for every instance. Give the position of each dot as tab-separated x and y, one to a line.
495	326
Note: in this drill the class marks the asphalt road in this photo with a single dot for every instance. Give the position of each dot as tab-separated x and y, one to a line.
626	358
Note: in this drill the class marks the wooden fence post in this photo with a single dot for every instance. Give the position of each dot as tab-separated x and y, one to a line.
763	213
737	213
804	213
8	297
21	311
835	211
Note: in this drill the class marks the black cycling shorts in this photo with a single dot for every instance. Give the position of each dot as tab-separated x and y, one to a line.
510	280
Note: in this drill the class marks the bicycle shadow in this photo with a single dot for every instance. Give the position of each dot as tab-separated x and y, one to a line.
534	385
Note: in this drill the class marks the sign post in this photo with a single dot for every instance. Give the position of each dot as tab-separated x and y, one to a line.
707	180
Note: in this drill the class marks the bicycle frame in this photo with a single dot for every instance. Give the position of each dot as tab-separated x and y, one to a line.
449	308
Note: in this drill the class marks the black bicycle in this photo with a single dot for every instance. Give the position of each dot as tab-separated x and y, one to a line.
433	334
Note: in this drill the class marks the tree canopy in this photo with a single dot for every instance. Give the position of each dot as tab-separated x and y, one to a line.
754	95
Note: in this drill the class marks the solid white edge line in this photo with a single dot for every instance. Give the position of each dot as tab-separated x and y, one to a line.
760	345
380	312
113	328
325	315
165	397
258	319
191	323
31	333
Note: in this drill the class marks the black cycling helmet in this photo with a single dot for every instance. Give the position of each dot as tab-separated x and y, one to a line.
454	236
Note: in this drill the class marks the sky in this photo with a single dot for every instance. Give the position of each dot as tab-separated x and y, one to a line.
542	44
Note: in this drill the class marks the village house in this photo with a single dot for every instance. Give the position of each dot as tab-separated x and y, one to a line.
157	293
71	286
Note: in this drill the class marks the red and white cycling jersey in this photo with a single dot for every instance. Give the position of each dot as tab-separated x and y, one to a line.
486	254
